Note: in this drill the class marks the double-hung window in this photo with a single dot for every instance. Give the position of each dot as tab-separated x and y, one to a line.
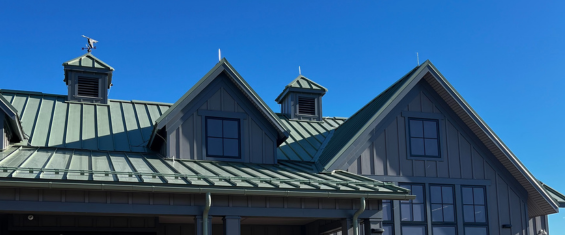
443	210
474	210
424	137
412	212
223	137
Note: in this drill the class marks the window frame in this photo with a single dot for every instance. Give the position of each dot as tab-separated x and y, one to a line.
454	203
239	139
389	222
316	104
441	134
411	223
475	224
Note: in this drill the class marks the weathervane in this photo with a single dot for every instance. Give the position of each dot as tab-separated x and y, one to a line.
90	44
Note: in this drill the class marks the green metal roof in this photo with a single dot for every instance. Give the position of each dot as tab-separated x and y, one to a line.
301	83
50	121
307	138
555	195
84	167
358	122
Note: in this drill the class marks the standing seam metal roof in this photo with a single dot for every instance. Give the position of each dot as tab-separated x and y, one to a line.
307	138
346	133
81	165
51	121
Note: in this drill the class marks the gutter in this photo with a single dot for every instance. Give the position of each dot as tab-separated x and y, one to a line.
356	217
190	189
205	215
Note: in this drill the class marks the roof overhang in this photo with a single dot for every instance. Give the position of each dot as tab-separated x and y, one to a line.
539	201
222	67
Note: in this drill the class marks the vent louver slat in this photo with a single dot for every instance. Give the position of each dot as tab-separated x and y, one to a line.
307	105
88	87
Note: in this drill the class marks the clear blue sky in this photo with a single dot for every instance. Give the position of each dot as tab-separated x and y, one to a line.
504	57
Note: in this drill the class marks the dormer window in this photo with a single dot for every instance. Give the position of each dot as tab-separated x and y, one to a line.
88	87
223	137
306	105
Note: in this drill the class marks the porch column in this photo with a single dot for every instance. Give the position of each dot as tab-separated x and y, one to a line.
232	225
373	227
346	227
3	223
198	227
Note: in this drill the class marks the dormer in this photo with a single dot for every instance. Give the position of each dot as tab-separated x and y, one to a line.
302	99
11	130
88	79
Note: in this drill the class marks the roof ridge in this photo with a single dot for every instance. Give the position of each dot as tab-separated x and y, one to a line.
349	128
60	95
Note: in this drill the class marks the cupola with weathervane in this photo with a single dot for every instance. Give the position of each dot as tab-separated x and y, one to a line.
87	77
302	99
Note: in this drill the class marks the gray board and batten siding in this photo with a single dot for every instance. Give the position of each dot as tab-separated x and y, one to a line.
221	98
463	160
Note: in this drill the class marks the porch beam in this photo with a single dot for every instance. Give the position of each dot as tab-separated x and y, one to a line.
101	208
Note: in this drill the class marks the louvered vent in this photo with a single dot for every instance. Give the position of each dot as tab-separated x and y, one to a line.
307	105
88	87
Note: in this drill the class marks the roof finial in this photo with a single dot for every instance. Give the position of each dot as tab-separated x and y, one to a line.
90	44
418	58
299	72
219	55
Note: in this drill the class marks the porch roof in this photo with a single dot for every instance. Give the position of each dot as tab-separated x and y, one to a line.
126	171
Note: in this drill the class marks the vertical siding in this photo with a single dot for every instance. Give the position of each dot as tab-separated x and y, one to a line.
187	142
387	156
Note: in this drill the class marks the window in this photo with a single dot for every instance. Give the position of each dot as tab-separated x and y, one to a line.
412	212
474	210
424	137
88	87
306	105
388	224
443	210
222	137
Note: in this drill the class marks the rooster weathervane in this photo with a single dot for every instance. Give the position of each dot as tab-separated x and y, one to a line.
90	44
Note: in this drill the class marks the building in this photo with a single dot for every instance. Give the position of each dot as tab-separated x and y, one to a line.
415	160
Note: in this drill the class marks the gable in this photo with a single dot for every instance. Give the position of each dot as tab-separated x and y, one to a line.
362	129
221	99
222	67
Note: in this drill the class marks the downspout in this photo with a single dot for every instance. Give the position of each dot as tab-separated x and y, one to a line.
356	217
207	209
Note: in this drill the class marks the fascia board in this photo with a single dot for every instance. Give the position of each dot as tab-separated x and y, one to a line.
268	113
214	190
496	140
385	109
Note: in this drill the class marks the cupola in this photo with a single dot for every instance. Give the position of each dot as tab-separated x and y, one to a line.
88	79
302	99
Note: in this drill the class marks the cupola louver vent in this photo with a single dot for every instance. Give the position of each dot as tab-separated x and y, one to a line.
307	105
88	87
